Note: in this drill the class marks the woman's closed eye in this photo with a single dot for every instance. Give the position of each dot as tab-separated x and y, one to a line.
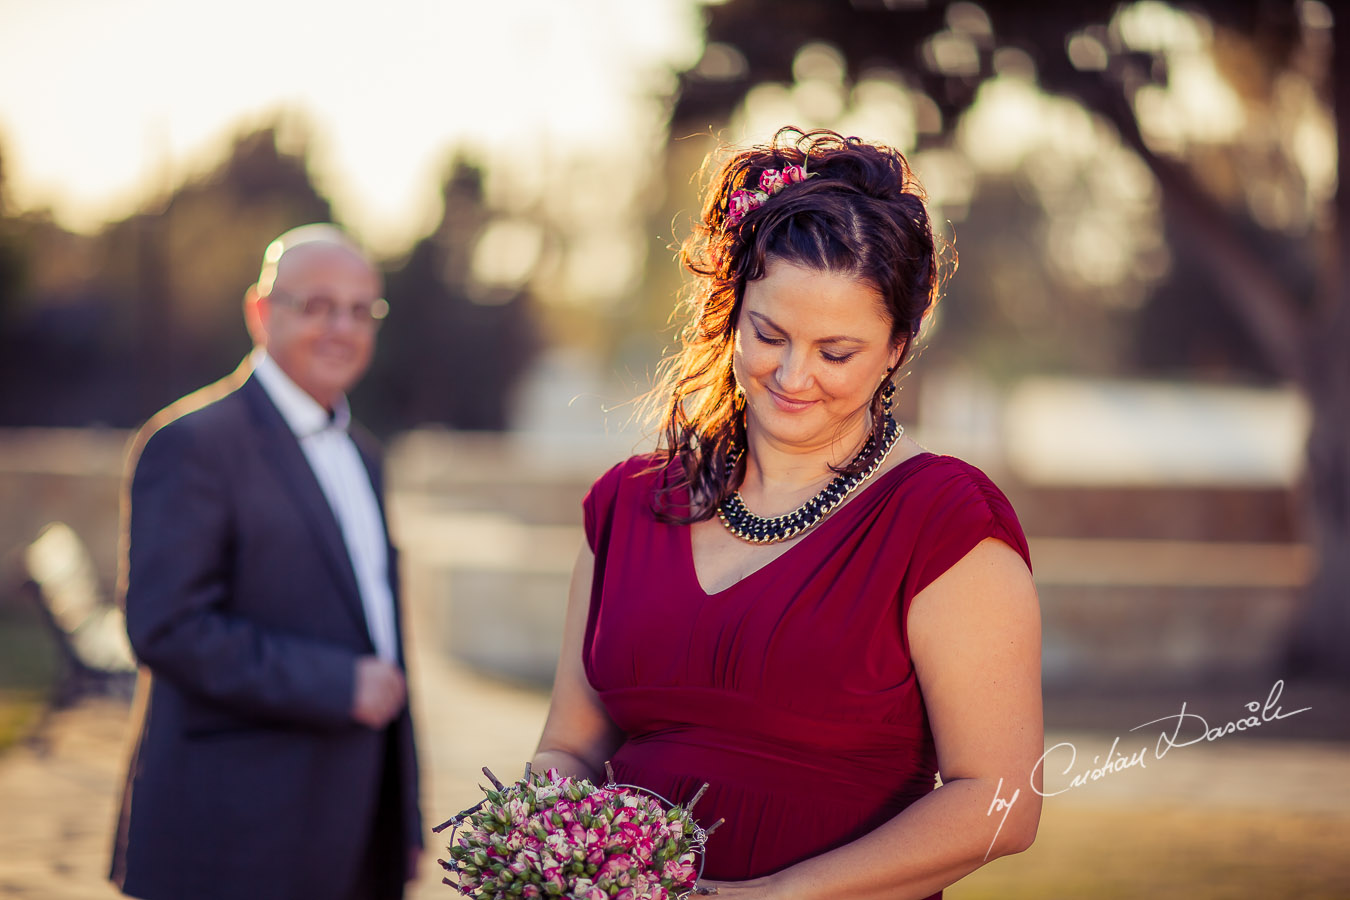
825	354
765	339
840	358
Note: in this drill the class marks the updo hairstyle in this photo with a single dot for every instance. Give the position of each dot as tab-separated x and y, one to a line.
860	213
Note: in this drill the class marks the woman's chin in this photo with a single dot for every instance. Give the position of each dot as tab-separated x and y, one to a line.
791	429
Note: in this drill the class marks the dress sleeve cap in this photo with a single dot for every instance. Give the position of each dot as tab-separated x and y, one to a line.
598	506
966	509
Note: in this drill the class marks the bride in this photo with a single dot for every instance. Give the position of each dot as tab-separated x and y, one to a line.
792	600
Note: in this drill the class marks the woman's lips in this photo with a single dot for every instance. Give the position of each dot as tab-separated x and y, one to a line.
787	404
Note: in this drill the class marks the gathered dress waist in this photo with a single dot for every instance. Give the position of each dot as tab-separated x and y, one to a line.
684	731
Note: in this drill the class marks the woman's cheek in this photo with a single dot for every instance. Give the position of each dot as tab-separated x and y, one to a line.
754	361
844	382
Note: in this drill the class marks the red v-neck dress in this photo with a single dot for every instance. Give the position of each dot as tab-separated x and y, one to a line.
790	692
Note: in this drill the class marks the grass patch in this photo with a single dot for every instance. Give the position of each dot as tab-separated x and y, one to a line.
19	712
1162	853
28	666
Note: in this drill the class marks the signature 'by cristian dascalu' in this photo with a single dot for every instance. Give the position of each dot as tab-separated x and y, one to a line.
1182	729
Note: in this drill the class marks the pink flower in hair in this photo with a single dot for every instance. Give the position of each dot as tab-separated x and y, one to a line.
771	181
743	202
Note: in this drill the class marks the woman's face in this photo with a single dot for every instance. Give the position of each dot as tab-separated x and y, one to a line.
812	348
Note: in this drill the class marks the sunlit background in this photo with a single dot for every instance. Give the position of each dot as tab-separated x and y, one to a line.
108	104
1141	340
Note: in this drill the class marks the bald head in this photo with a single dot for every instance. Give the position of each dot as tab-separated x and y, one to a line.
306	239
315	309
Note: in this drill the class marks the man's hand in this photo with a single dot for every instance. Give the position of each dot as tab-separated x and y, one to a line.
380	692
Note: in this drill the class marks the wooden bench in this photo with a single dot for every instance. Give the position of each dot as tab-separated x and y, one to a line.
90	631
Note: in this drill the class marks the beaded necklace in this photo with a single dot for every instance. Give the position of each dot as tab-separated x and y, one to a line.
760	530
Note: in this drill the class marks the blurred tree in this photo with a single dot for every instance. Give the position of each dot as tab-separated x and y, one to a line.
453	347
11	253
53	331
1232	107
178	271
106	329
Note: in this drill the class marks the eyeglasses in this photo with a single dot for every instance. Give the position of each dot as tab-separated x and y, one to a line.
364	313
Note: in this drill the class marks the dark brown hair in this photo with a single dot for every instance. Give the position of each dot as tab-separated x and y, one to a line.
860	213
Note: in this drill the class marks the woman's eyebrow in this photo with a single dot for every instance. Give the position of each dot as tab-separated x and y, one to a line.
763	320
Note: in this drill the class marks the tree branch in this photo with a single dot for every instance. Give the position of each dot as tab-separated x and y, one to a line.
1335	289
1243	279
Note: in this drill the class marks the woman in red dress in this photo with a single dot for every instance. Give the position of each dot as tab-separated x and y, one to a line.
791	600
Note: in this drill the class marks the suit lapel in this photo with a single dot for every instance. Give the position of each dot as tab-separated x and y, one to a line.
366	447
282	450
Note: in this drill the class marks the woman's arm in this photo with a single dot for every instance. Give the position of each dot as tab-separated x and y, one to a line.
975	639
578	735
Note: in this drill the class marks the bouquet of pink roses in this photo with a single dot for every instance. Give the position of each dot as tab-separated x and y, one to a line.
550	836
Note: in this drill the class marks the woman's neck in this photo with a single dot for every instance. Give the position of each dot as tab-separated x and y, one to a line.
774	469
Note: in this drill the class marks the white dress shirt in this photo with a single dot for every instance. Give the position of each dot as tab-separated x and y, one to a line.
337	465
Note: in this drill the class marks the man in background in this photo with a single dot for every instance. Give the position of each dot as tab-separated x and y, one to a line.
275	754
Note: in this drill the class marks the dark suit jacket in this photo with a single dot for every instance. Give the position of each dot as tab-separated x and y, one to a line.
249	777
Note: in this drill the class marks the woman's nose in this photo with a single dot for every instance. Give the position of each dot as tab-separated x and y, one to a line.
794	372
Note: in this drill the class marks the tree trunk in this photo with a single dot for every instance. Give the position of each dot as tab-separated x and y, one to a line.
1312	351
1321	640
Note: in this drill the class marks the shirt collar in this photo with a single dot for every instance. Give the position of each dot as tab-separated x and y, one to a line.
302	413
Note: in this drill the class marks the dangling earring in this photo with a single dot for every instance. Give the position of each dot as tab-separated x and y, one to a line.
888	400
888	394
